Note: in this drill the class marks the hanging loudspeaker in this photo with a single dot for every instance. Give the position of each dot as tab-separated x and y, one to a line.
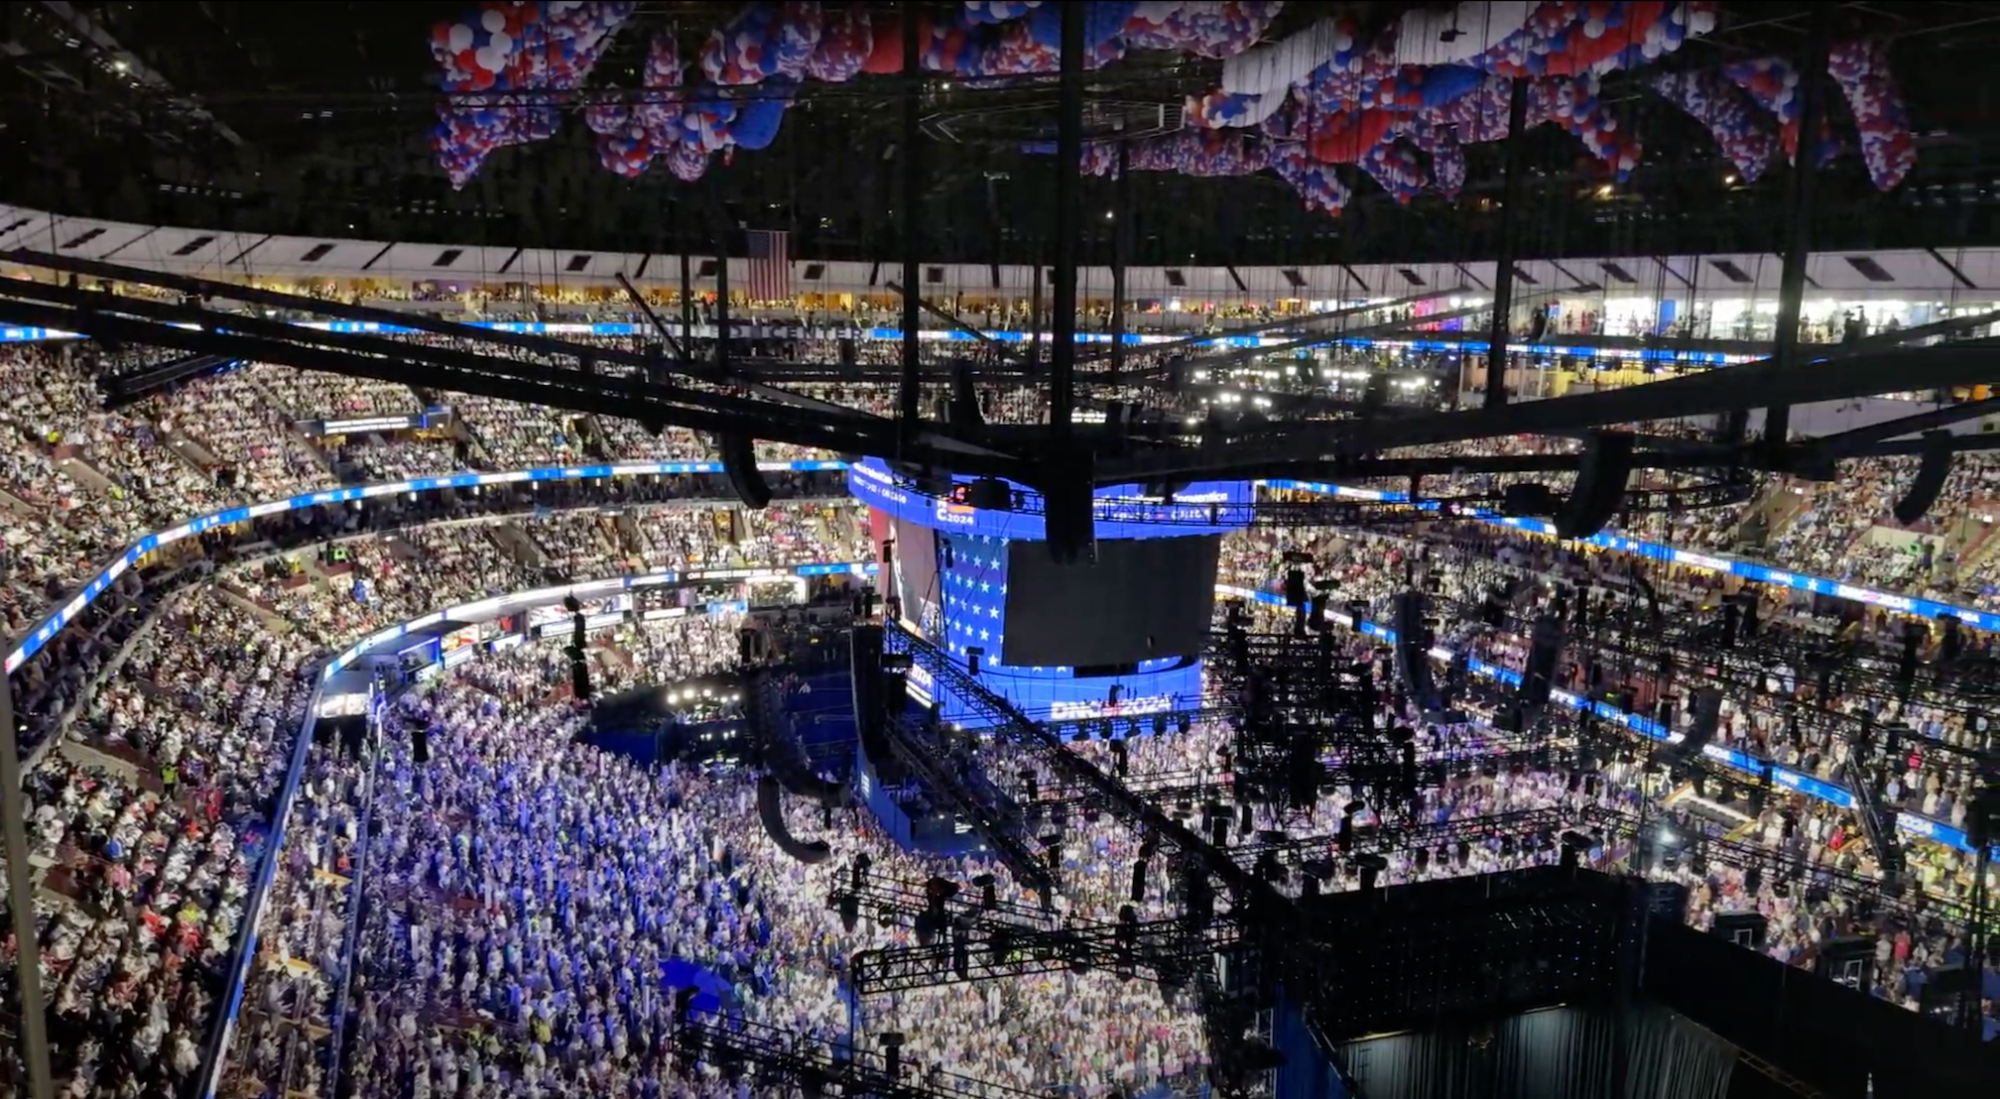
1704	716
1413	663
739	464
1544	649
1295	588
1600	486
964	398
771	811
1070	524
1932	469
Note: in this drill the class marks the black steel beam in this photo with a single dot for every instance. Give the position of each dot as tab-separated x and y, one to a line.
958	323
1041	262
271	299
1798	229
1188	343
1068	218
1377	330
687	278
1708	393
92	308
506	380
880	891
911	225
1121	252
1510	229
646	310
723	232
1526	822
1854	441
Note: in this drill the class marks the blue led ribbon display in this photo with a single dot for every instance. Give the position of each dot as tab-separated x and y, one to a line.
1123	511
1289	341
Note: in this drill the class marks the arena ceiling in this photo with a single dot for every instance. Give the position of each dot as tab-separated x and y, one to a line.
313	118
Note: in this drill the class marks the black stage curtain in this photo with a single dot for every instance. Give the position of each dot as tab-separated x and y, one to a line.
1840	1041
1560	1053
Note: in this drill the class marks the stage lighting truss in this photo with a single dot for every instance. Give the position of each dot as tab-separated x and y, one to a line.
1690	652
1688	843
995	714
881	896
991	813
777	1056
1214	707
1171	952
1528	829
1494	943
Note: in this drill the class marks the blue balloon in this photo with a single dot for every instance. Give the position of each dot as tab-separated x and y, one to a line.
1448	82
756	124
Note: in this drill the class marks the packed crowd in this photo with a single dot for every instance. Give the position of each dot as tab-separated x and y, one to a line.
310	909
1840	529
147	828
154	814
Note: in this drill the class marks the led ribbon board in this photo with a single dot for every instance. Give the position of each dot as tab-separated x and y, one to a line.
1123	511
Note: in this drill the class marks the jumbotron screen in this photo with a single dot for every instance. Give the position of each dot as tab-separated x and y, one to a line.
914	562
1142	599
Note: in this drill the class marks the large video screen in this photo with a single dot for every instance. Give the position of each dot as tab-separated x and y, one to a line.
1143	599
916	565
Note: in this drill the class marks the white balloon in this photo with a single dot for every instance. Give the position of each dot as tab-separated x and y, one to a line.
1651	49
486	59
492	20
501	43
460	37
1702	22
1593	28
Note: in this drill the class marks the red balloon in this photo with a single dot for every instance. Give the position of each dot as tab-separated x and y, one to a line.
887	56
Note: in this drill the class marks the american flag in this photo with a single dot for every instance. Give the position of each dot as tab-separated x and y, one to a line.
770	265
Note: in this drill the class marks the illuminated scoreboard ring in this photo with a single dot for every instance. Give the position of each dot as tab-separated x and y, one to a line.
1120	640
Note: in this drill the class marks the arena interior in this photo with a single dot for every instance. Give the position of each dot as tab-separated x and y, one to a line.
997	549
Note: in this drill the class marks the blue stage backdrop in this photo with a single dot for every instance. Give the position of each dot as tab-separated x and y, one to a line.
967	556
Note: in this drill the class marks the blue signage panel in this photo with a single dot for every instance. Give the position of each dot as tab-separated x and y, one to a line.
1123	511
